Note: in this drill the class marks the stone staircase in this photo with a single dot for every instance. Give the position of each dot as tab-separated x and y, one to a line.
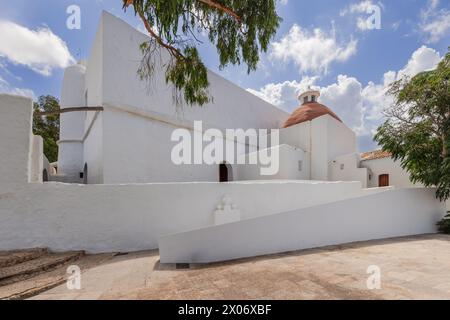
26	273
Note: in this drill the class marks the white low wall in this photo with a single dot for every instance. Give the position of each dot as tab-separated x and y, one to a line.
105	218
36	159
15	139
389	214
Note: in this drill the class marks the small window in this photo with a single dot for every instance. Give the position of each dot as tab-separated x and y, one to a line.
313	98
300	166
342	166
305	99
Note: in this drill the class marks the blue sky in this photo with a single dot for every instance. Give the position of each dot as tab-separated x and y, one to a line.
322	43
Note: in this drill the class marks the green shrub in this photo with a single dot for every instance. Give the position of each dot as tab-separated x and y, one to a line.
444	224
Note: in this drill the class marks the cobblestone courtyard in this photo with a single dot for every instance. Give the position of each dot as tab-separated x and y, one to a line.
411	268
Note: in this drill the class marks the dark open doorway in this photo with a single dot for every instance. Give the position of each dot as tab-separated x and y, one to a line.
85	174
225	172
45	175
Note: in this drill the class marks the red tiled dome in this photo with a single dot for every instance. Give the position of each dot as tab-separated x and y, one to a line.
309	112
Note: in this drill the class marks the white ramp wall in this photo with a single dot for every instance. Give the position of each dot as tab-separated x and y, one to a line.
389	214
109	218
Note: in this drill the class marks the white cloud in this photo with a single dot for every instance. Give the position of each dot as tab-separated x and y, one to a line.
374	95
365	6
40	50
5	87
375	99
435	23
312	51
285	94
423	59
360	107
345	98
361	7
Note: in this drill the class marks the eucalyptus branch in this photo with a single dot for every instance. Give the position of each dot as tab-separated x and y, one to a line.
226	10
238	29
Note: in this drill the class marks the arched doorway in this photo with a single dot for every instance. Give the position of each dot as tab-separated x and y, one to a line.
225	172
85	174
45	175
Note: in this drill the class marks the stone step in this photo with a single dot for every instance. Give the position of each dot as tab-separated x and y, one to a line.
45	281
11	258
31	268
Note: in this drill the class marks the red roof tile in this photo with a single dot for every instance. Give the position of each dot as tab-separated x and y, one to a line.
373	155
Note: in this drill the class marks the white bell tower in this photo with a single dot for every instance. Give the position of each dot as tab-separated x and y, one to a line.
310	96
70	157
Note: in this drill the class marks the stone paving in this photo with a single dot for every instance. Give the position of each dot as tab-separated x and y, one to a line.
411	268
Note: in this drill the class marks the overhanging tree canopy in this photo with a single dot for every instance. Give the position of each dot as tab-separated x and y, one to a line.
239	29
418	129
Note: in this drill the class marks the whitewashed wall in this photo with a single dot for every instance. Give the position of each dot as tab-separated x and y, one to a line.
397	176
121	86
36	159
289	159
93	148
15	139
324	140
341	139
389	214
125	145
94	69
297	136
104	218
93	126
329	140
137	148
347	168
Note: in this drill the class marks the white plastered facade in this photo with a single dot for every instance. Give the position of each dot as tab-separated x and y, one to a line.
136	196
130	140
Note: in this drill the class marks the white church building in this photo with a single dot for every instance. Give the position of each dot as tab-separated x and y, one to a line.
129	141
116	187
